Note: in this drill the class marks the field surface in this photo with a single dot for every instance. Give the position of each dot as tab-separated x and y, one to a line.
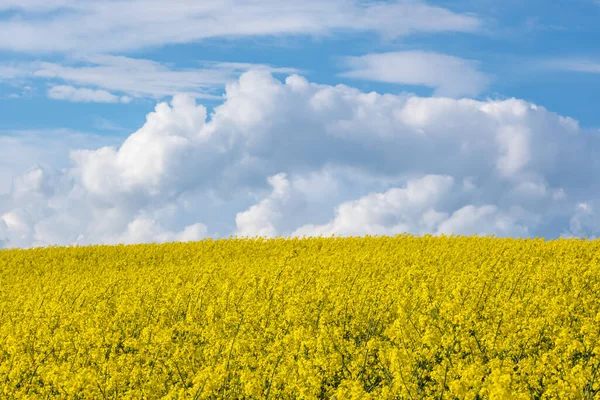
355	318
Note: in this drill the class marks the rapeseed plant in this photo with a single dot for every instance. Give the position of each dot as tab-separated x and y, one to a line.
348	318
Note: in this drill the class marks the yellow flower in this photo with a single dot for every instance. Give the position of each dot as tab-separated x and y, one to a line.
347	318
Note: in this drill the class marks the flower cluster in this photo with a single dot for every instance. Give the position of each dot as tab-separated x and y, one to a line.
346	318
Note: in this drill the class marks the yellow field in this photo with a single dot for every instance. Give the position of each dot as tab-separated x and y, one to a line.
355	318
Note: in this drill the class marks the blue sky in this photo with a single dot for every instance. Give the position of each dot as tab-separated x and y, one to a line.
81	75
514	45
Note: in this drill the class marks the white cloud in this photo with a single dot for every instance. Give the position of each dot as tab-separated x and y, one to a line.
20	150
448	75
85	95
584	221
573	64
513	142
117	25
8	73
483	220
145	230
106	78
418	208
293	157
409	209
260	219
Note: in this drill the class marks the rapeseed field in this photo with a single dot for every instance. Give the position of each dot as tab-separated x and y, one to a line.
347	318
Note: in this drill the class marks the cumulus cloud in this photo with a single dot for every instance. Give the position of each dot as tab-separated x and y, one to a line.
20	150
483	220
260	219
118	25
397	210
143	230
448	75
584	221
296	158
420	207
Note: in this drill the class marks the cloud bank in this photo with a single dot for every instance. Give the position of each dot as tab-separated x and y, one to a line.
299	158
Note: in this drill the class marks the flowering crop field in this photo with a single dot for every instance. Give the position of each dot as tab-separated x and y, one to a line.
347	318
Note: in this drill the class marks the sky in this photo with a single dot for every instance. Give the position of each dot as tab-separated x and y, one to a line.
135	121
